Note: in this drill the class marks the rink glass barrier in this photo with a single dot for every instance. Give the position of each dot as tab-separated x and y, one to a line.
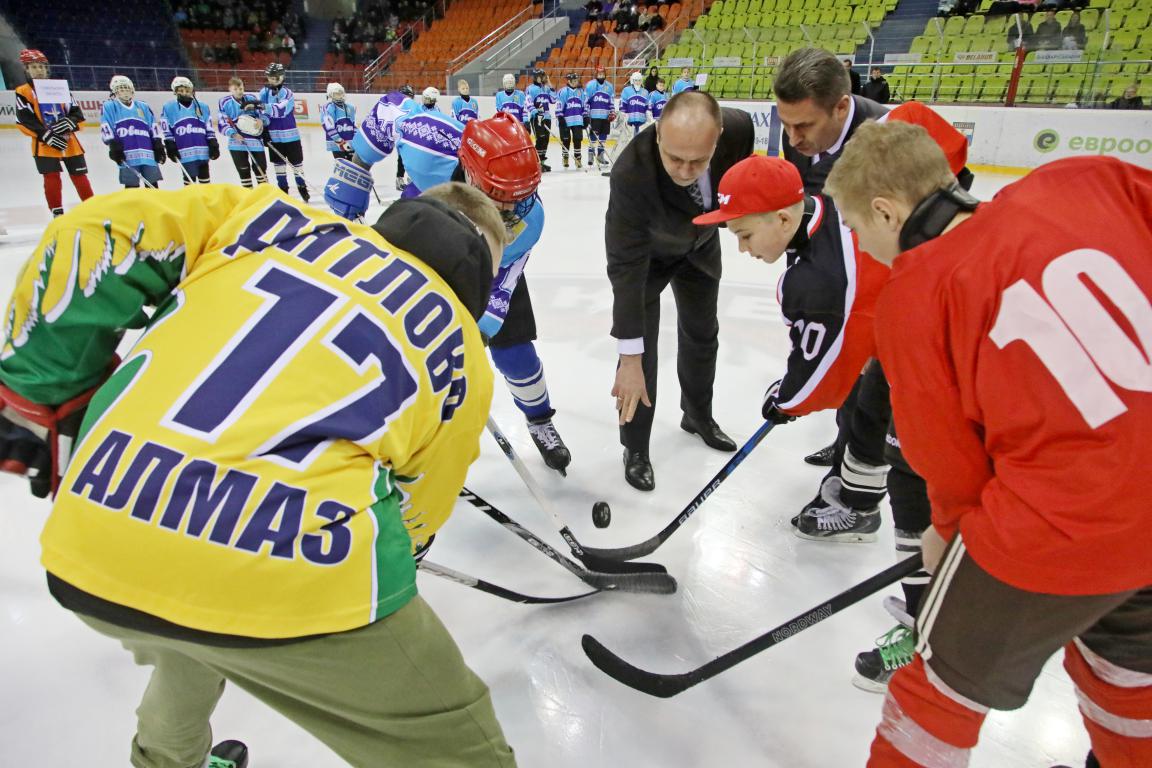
997	136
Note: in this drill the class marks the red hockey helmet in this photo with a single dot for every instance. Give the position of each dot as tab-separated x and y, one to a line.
32	56
500	159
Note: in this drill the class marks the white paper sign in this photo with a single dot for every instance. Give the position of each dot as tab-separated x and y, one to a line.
726	61
1057	57
701	79
903	58
52	91
682	62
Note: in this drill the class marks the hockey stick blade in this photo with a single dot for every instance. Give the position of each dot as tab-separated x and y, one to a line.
495	589
664	686
648	580
593	562
649	546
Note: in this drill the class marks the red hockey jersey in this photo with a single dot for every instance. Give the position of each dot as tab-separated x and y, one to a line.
1019	351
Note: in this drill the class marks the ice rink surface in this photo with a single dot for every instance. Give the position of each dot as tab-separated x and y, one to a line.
68	695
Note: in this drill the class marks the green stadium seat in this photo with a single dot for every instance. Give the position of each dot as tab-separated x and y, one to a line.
1090	18
1137	20
974	25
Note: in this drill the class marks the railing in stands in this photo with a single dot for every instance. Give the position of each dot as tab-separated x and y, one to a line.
382	62
490	39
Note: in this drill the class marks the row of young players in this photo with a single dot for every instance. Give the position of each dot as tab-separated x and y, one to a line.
139	143
591	107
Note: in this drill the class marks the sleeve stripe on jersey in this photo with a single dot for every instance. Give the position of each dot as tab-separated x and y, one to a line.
849	254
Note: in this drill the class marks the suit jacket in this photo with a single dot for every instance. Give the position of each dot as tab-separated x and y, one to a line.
650	218
814	174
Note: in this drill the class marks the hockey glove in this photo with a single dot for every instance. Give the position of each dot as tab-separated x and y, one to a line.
36	440
116	151
54	140
158	151
612	117
64	126
173	152
213	150
266	137
769	408
348	189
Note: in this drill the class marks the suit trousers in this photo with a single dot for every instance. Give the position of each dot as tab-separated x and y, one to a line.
697	342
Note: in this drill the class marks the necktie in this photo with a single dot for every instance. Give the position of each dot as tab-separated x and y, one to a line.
697	196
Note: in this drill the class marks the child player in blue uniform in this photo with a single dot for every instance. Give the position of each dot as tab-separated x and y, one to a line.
634	103
243	121
512	101
132	134
189	140
339	121
428	141
284	146
571	112
658	98
497	157
464	107
601	114
541	96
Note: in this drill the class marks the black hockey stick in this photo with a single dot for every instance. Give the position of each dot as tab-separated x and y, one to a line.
651	545
665	686
494	589
593	562
643	577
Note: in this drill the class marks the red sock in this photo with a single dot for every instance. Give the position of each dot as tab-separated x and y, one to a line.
83	188
52	191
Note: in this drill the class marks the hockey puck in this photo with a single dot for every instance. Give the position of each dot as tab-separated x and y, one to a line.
601	514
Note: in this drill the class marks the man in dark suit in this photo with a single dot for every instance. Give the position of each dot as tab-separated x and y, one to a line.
665	177
818	112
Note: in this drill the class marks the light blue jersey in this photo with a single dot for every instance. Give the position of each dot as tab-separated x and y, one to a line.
465	109
656	102
526	233
514	103
339	121
377	135
134	126
572	106
683	85
280	104
540	98
230	109
600	96
428	142
634	105
190	127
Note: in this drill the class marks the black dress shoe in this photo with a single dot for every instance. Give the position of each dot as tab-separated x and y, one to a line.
638	470
822	457
709	432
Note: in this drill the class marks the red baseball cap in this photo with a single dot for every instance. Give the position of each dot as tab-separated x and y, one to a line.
756	184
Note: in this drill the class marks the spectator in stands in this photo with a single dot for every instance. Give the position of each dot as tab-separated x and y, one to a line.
644	20
656	23
876	88
853	76
287	45
1048	34
180	16
1130	99
594	9
1075	35
1020	37
652	77
596	37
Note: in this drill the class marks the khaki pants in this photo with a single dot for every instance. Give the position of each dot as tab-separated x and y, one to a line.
394	693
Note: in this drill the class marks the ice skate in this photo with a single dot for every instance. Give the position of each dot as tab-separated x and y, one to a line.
228	754
550	444
830	520
875	668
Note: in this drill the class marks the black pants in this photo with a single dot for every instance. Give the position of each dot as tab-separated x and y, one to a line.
543	131
399	166
342	155
290	151
863	423
520	323
911	516
598	130
697	342
249	164
573	135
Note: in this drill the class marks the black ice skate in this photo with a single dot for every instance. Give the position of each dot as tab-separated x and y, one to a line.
228	754
829	519
303	190
548	442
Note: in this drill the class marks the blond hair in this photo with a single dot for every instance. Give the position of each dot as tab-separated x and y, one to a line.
235	81
894	160
476	206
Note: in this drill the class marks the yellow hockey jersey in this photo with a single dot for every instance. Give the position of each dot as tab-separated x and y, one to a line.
300	411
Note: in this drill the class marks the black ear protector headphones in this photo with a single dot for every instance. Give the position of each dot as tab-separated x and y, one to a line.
933	214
